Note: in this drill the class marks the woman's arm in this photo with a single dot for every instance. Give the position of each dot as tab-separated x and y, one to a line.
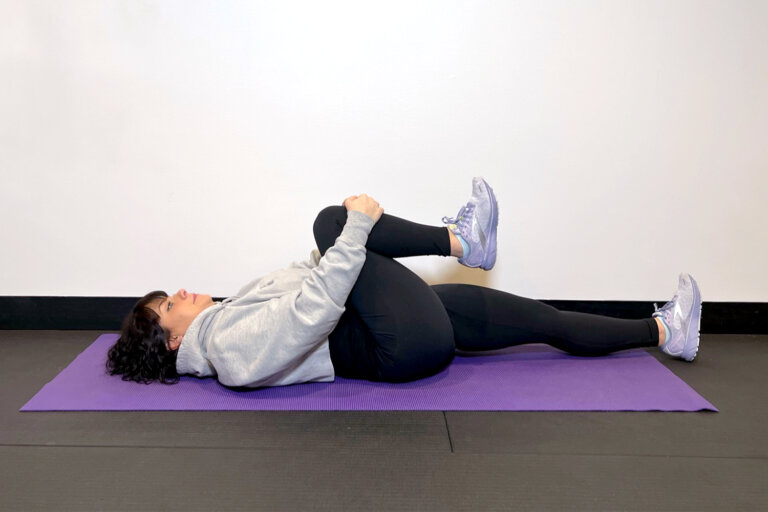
262	347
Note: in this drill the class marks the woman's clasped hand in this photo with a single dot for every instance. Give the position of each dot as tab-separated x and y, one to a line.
366	204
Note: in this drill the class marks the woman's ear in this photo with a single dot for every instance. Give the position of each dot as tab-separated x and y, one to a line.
174	342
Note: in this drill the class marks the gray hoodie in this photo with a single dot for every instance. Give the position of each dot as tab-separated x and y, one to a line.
274	332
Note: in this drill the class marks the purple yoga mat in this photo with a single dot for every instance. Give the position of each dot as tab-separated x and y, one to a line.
523	378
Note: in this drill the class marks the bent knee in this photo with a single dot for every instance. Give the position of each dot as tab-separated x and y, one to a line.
330	214
328	225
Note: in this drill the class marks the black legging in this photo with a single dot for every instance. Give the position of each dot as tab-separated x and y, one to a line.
397	328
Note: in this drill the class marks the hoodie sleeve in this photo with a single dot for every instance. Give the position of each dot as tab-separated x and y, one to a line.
336	273
266	346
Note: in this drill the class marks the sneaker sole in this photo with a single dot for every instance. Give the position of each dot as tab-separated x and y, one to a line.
691	347
490	256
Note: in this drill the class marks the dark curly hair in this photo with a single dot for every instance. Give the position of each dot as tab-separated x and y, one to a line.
141	353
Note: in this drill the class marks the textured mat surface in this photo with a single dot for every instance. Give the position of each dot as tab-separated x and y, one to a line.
532	377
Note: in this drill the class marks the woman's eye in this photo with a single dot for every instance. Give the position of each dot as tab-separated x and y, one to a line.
169	306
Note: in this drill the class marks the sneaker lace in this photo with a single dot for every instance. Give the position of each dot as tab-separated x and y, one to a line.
462	218
666	307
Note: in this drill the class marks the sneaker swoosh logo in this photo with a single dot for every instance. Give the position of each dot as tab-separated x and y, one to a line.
482	235
678	313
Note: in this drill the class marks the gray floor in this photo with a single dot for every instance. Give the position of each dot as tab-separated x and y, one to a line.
387	461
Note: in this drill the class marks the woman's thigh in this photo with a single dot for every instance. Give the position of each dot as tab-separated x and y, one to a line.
395	328
488	319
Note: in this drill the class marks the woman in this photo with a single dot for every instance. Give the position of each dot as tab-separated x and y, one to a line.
352	310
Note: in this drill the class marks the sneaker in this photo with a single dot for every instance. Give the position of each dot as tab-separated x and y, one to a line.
682	315
476	223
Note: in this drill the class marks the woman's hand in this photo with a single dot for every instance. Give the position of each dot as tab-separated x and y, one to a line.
366	204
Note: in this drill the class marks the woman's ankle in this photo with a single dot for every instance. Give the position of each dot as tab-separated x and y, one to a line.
456	248
662	331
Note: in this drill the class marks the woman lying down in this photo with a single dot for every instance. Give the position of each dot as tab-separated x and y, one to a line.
352	310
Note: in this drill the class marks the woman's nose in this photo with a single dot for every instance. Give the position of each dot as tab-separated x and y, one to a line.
183	293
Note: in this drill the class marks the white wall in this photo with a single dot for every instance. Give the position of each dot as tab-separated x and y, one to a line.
167	144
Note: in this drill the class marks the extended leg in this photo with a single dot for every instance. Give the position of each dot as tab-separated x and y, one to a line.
487	319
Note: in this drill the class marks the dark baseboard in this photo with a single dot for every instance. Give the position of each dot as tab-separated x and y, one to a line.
107	313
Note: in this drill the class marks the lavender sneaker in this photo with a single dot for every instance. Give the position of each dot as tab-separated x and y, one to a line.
682	315
476	223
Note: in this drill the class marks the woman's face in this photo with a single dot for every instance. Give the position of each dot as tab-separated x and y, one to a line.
178	311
